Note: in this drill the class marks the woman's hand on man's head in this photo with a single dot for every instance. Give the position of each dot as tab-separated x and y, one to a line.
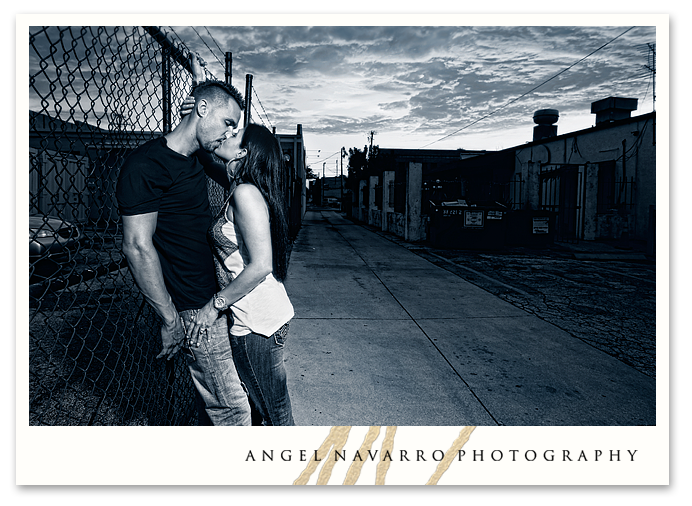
187	106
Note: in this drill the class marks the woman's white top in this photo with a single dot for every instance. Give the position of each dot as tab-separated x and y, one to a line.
267	307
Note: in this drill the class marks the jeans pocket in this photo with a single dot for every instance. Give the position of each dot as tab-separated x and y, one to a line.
281	335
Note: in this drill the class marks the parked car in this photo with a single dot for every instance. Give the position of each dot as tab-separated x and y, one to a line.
51	242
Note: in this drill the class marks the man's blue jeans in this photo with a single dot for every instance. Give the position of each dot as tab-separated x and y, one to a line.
260	364
223	398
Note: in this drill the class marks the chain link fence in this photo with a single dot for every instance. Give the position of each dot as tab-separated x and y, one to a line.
96	93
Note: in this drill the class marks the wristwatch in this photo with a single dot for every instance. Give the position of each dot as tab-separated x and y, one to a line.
220	302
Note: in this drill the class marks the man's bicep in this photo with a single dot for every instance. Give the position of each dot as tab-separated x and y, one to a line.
139	228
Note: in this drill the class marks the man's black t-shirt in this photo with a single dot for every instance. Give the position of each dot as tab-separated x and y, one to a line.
155	178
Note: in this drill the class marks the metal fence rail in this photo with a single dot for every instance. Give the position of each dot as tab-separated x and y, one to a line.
96	93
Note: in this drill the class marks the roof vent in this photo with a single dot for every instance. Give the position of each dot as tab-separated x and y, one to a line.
613	109
545	120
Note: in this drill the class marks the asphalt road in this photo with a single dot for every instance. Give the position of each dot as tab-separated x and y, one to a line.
601	298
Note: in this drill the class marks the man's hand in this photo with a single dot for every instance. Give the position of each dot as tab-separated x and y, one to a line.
172	337
144	264
197	64
187	106
203	322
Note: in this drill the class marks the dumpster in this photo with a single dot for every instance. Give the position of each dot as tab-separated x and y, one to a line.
461	225
530	228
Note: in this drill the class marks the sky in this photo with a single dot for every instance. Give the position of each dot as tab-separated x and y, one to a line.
432	87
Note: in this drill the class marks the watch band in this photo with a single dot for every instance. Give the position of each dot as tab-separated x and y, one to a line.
220	302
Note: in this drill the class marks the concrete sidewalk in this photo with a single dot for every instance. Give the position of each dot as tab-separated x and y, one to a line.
383	337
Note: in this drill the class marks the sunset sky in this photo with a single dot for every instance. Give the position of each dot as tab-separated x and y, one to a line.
421	82
426	86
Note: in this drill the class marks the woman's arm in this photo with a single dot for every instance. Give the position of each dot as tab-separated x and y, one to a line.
251	218
216	170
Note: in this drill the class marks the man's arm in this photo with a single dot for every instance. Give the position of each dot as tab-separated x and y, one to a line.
143	260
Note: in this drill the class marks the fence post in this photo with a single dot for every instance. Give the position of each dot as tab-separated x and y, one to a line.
248	98
229	69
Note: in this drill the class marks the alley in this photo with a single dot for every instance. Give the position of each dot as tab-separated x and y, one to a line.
383	336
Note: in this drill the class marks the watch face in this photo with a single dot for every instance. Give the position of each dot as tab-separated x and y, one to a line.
219	302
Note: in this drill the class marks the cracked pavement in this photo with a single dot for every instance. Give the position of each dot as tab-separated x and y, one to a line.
609	304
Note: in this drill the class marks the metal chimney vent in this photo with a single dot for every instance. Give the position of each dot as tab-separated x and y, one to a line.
545	120
613	109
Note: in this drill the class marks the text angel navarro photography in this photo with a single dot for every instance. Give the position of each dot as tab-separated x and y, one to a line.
547	455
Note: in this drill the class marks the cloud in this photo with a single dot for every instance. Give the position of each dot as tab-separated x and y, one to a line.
342	79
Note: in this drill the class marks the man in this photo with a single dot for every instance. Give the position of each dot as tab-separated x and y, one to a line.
162	195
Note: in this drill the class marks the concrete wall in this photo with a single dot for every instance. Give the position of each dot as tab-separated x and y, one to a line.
414	191
362	205
409	225
387	179
375	218
396	223
372	208
589	148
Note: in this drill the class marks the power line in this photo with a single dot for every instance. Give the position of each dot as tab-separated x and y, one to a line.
530	91
648	84
333	154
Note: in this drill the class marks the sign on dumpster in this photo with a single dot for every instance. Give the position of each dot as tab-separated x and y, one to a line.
473	218
494	215
540	225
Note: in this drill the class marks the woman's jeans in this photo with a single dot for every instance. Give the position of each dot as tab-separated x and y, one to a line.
221	398
260	364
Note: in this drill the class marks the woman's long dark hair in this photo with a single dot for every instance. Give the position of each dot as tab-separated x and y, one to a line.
264	167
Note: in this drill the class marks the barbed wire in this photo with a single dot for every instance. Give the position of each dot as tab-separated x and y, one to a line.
258	114
262	106
210	49
212	38
179	39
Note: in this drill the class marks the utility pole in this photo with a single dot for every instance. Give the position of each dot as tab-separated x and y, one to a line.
336	173
650	67
371	137
652	47
343	153
324	164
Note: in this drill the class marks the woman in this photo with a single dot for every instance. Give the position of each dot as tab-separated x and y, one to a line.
251	244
